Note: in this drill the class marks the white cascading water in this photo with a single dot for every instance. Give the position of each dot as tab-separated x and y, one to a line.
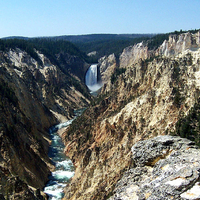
63	166
91	78
64	169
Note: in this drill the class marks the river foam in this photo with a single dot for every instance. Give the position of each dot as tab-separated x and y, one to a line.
64	169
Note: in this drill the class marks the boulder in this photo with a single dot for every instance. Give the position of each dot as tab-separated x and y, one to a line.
166	167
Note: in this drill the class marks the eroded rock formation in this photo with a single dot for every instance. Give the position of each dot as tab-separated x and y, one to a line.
34	96
143	101
178	44
166	167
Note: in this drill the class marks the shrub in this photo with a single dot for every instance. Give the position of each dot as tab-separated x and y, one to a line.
116	73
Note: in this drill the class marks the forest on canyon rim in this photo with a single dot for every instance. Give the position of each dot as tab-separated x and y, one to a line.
150	88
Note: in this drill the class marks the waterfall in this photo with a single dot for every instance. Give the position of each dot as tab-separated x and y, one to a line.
91	75
91	78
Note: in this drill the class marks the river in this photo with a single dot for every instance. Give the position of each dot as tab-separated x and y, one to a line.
64	169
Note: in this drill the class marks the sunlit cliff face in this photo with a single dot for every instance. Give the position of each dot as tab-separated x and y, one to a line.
146	100
34	96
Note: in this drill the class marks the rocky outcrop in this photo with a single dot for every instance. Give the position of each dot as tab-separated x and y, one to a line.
146	100
107	65
34	96
73	64
178	44
166	167
56	86
133	54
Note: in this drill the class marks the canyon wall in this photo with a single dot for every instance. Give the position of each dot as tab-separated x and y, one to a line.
34	96
144	100
178	44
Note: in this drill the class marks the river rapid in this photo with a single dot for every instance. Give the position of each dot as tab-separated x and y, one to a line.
64	169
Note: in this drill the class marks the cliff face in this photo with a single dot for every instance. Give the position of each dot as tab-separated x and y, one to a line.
133	54
173	46
144	100
107	65
34	96
73	64
178	44
166	167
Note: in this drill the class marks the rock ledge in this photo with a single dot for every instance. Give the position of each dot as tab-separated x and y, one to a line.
166	167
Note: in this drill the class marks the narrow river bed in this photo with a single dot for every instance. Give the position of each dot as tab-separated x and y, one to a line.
64	169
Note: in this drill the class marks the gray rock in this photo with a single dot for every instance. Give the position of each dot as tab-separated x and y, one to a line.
166	167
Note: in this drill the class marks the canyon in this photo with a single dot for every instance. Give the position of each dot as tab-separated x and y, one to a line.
127	140
34	96
147	93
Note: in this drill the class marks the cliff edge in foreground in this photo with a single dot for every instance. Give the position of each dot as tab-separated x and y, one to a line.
166	167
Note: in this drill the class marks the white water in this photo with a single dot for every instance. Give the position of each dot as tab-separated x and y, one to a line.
91	79
64	169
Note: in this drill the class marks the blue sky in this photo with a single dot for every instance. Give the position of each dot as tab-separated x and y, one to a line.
32	18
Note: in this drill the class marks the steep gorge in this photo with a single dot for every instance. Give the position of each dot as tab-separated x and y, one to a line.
34	96
145	99
145	93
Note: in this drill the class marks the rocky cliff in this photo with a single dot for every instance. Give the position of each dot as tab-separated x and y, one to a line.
165	167
146	96
34	96
178	44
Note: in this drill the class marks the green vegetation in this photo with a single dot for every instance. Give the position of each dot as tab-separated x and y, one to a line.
106	44
157	40
51	49
21	44
178	99
116	73
46	46
80	45
7	92
98	37
81	129
107	47
189	126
